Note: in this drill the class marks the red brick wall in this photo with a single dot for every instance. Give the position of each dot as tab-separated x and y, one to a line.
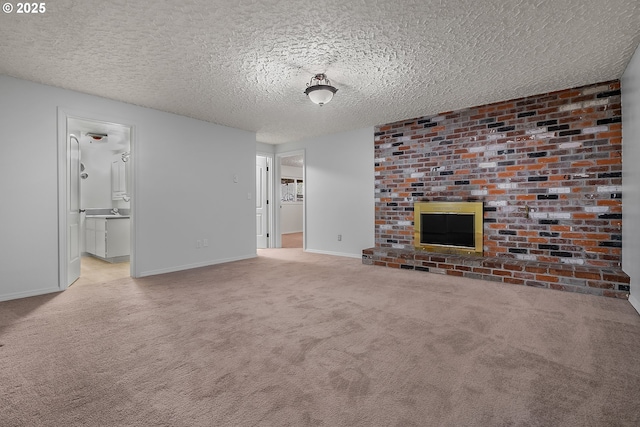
558	153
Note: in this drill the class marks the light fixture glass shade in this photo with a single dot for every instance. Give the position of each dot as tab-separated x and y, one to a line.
321	92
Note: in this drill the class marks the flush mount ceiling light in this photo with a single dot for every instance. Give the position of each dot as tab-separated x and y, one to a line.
321	91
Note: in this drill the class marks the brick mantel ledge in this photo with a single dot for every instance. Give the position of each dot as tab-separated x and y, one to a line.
602	281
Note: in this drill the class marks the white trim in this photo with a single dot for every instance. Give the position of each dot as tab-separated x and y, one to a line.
16	295
270	196
62	198
194	265
635	303
341	254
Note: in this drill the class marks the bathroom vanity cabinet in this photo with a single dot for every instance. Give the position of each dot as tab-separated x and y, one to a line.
107	237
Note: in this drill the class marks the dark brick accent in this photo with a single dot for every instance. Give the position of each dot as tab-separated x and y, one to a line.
547	234
561	254
613	244
518	251
609	121
610	175
556	128
570	132
549	247
608	93
610	216
526	114
495	125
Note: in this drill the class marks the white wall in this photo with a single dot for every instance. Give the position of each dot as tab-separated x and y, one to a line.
291	172
184	187
291	217
263	148
339	191
630	83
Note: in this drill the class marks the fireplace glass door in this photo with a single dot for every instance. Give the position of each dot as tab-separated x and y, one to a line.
447	229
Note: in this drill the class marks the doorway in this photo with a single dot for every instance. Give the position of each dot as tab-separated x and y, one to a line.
291	185
95	198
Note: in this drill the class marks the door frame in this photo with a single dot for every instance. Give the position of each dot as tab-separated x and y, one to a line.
277	196
269	196
63	115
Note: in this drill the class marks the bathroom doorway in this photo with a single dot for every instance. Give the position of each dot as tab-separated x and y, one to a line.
95	197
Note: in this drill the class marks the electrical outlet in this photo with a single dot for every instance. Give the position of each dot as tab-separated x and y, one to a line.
339	237
205	243
198	244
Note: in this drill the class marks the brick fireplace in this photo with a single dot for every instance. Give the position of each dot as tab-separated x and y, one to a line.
548	170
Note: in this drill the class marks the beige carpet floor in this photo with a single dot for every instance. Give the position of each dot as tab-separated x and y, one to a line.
297	339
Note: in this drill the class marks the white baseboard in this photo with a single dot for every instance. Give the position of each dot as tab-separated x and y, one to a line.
635	303
195	265
342	254
18	295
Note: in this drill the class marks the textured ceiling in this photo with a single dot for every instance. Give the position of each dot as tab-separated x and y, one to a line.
246	64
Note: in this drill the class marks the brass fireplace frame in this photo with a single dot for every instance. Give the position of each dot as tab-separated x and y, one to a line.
461	208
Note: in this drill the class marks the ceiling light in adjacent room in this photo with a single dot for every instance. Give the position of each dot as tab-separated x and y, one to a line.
97	137
320	92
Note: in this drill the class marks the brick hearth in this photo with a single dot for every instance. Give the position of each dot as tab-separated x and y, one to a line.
548	171
609	282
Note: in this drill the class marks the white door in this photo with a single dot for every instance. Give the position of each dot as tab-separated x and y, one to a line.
262	230
73	209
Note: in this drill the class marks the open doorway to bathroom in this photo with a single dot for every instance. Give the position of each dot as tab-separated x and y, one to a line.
97	202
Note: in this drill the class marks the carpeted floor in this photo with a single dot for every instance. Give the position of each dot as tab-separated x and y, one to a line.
298	339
